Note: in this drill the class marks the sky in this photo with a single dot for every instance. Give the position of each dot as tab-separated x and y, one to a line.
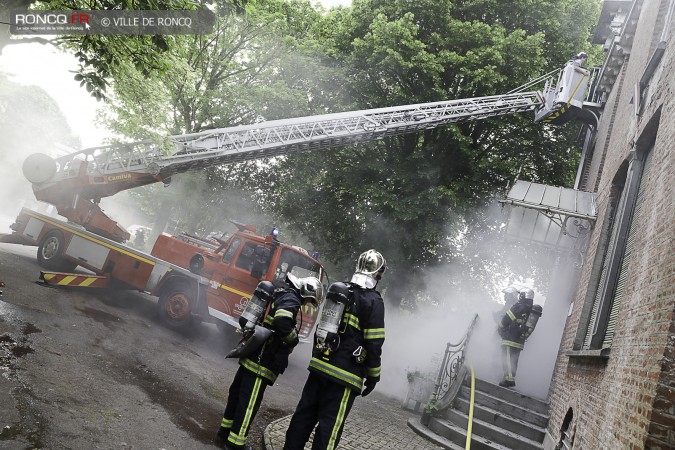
51	69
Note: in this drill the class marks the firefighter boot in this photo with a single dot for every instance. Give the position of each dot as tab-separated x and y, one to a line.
220	439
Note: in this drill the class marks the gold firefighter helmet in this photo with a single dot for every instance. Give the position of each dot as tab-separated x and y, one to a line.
369	269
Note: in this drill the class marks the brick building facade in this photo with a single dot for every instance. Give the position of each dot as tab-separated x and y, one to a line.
613	385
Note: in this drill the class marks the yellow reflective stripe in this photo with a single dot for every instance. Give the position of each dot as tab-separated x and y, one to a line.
117	248
249	408
351	319
283	313
373	333
226	423
374	371
339	420
258	370
511	315
337	373
236	439
512	344
269	319
236	291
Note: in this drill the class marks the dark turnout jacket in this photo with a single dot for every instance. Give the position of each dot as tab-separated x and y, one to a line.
512	327
362	326
272	358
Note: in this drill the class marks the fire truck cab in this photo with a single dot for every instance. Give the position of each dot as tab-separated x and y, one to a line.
234	267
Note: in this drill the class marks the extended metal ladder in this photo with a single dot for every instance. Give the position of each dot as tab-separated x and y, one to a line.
281	137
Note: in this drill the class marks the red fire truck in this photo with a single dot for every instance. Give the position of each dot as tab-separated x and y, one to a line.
192	277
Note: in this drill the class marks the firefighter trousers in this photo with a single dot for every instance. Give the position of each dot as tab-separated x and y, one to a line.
325	404
245	395
510	356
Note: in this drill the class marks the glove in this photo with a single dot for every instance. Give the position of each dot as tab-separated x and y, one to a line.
291	339
370	385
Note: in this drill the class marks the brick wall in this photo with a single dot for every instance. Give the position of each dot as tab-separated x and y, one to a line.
627	401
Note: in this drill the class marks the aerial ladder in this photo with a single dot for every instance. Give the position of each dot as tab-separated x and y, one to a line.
75	183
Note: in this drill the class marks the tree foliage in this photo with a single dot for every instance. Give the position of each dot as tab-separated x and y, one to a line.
413	196
420	198
229	78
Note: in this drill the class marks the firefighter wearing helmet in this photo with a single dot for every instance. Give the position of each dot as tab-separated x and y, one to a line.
510	298
263	352
347	349
515	327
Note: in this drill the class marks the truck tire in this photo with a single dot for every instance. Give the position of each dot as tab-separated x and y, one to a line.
50	254
175	306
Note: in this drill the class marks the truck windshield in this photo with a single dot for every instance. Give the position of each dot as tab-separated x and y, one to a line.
299	265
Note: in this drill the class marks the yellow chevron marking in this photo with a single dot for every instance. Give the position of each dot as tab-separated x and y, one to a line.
87	281
66	280
48	276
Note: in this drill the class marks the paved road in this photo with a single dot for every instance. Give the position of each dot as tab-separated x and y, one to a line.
96	370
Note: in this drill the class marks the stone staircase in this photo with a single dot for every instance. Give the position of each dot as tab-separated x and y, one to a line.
502	419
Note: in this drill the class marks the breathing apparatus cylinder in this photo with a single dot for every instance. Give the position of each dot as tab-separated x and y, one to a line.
338	298
252	315
532	319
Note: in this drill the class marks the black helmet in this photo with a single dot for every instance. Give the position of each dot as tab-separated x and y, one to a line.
338	292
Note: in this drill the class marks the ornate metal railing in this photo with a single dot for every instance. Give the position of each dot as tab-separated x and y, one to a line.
450	376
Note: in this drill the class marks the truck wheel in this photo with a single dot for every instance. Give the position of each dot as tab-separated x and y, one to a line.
175	306
50	254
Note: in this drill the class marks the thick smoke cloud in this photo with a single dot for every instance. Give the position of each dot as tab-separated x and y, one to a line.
416	342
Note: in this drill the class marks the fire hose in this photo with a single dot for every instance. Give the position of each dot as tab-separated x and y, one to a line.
467	446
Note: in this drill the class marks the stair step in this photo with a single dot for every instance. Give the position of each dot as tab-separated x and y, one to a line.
511	396
506	407
501	420
426	433
506	437
457	435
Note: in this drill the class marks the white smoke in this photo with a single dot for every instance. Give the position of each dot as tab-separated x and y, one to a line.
415	343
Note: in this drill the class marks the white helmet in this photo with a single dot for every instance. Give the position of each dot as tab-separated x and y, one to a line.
510	293
369	269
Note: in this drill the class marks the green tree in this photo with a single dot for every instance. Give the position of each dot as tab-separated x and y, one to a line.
229	78
415	196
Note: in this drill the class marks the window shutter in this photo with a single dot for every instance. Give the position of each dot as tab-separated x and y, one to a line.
627	256
603	275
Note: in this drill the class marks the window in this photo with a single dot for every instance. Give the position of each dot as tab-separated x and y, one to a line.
246	257
298	264
229	254
614	254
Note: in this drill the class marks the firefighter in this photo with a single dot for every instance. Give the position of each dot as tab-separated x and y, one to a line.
347	349
261	368
510	298
515	327
579	59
